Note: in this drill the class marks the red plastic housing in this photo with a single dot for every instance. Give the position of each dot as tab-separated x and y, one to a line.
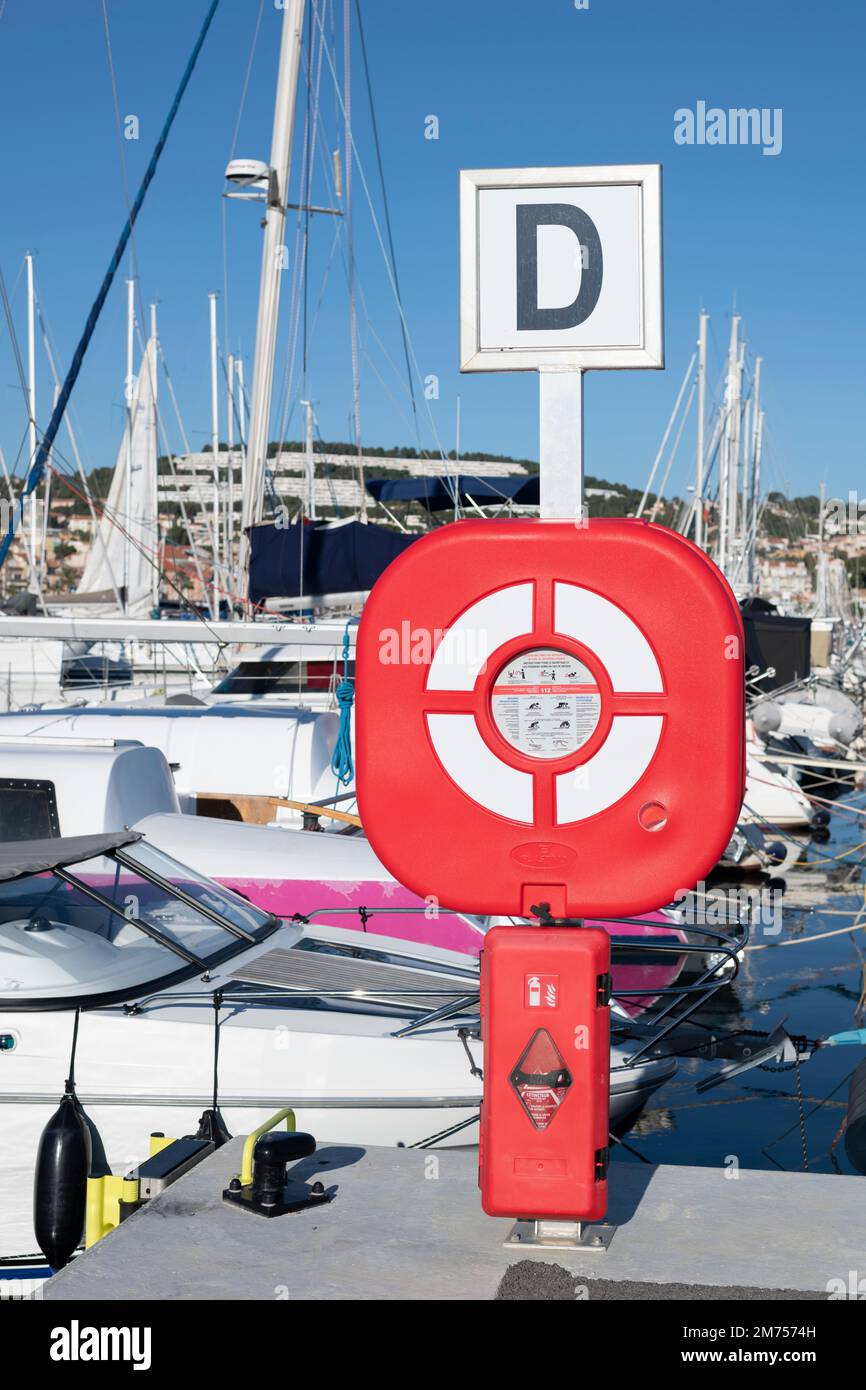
546	1032
471	786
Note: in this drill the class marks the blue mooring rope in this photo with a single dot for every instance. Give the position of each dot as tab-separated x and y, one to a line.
342	764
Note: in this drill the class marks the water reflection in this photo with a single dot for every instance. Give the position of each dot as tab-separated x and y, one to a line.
812	974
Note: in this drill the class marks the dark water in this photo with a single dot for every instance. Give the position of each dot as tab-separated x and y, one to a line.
815	986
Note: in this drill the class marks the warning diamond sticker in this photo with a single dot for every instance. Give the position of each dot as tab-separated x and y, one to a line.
541	1078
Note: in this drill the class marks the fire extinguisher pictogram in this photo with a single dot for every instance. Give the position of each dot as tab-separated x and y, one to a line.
541	1078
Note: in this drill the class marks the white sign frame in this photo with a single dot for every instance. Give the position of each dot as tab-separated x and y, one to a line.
649	353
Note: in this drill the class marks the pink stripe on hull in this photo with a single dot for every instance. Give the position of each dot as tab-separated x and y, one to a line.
287	897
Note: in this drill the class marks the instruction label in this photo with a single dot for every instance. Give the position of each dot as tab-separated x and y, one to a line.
546	703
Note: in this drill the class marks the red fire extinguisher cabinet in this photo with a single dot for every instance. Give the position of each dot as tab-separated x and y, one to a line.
546	1032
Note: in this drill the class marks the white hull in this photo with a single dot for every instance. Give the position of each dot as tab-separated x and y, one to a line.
773	797
30	672
350	1080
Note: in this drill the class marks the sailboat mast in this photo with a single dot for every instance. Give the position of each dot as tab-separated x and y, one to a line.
273	264
753	474
310	462
457	463
242	441
727	454
734	475
230	446
701	447
215	444
31	412
130	394
242	424
744	489
152	366
350	239
822	497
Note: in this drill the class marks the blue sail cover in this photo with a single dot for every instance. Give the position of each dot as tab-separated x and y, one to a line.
290	561
437	494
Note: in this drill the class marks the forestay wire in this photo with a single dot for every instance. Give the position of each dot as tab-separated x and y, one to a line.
38	463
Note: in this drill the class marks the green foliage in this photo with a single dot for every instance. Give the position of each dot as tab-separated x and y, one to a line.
793	518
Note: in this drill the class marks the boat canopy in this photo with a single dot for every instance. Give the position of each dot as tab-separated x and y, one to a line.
22	857
441	493
101	919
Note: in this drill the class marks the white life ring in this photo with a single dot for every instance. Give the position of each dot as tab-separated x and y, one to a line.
622	649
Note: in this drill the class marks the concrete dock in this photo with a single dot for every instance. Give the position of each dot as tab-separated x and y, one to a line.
407	1224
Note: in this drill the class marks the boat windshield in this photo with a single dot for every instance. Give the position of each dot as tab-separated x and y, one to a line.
111	928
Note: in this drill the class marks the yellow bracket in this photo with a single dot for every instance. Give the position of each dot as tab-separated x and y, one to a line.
158	1142
104	1196
246	1173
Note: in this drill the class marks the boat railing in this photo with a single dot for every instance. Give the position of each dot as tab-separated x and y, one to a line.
458	1008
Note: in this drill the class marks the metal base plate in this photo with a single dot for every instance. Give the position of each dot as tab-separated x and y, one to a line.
546	1234
296	1196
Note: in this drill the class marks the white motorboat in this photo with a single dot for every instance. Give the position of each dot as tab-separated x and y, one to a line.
223	753
58	785
369	1039
773	795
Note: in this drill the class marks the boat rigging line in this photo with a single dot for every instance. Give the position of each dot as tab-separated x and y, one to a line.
378	233
38	465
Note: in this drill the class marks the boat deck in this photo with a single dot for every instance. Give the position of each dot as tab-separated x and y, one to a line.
407	1224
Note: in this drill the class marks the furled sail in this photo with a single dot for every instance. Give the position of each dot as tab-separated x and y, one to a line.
124	554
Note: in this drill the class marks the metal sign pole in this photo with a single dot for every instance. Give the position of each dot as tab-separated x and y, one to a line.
560	466
561	443
560	272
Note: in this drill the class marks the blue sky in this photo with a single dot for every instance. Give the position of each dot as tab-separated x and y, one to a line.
511	83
